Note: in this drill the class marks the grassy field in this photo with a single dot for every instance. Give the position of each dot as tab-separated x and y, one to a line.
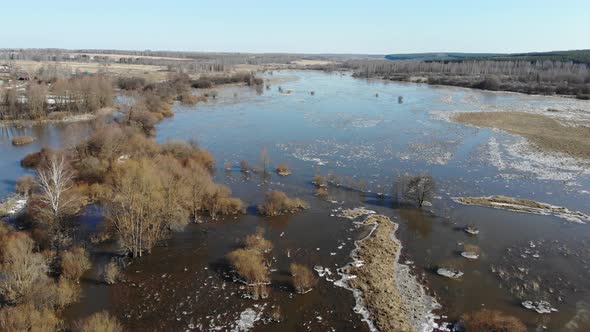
123	69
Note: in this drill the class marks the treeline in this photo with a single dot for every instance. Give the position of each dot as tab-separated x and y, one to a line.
55	97
542	77
575	56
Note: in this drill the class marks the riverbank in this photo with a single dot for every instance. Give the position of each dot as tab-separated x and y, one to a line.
393	299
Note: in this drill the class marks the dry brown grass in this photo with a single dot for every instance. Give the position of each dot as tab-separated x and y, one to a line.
492	321
249	263
303	278
74	263
23	140
26	317
277	203
99	322
544	132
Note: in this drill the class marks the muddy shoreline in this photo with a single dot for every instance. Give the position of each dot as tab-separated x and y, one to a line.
388	296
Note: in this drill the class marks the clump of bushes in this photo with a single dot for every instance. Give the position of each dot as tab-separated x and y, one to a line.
303	278
74	263
283	170
492	321
99	322
131	83
23	140
35	159
277	203
190	99
249	264
26	317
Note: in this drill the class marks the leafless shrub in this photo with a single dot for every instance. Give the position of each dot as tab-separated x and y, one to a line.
492	321
74	263
99	322
277	202
111	273
303	278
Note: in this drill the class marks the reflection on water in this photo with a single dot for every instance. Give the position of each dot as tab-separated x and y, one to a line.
345	130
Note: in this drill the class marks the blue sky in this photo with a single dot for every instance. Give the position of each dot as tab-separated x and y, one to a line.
320	26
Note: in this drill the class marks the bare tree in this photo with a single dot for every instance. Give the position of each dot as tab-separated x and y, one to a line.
265	160
136	212
416	189
54	180
20	267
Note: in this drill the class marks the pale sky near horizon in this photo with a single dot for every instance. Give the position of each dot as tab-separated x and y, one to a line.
305	26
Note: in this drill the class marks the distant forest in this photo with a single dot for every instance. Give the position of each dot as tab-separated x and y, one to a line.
575	56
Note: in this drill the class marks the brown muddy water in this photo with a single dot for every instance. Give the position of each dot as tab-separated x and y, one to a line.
344	129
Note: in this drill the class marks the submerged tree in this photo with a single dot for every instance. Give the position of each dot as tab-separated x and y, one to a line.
415	189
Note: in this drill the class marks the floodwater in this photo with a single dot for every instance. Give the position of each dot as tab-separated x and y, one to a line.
358	131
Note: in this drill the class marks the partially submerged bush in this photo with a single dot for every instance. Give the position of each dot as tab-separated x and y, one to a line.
26	317
23	140
277	203
245	166
303	278
283	170
321	192
99	322
492	321
74	263
111	273
319	181
249	264
258	242
190	99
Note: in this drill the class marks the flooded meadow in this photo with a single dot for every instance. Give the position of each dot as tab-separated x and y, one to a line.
361	136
